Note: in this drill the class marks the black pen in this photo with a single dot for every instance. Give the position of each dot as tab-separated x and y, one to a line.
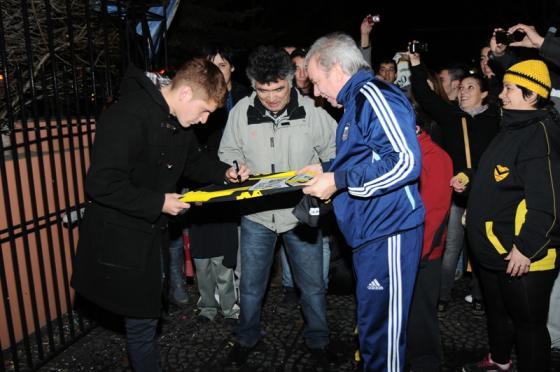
236	165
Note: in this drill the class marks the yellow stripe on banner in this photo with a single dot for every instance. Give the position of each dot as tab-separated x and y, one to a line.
203	196
249	195
493	238
275	175
546	263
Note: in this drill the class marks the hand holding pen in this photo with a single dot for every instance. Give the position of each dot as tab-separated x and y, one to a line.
236	165
238	173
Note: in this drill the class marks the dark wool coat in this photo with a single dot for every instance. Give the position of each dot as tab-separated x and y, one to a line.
140	152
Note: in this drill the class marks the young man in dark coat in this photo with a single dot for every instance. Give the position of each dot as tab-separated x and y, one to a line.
142	148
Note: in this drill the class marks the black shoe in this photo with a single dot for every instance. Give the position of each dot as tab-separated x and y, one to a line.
238	354
325	356
201	319
231	322
477	308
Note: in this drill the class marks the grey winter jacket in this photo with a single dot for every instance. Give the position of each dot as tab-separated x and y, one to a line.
301	135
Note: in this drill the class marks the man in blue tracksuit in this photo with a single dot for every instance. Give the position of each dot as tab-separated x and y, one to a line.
373	182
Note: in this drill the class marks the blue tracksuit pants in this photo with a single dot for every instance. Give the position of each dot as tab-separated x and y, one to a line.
385	271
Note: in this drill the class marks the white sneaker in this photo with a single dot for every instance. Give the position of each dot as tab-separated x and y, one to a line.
468	298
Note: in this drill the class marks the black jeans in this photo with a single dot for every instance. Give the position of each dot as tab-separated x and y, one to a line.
142	344
517	311
423	344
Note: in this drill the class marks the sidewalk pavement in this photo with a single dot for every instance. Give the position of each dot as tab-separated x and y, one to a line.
189	346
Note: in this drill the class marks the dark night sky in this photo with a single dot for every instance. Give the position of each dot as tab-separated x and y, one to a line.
454	31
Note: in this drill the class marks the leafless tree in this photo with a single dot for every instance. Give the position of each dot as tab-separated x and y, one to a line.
70	34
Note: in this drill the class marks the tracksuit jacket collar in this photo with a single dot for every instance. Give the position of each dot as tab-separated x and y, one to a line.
348	91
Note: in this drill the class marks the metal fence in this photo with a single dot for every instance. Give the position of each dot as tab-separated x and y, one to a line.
60	61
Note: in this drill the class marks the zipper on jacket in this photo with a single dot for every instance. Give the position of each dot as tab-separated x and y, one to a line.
272	168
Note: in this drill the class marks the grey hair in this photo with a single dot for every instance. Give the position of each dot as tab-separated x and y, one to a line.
337	48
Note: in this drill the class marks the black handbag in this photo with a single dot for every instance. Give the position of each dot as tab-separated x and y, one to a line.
310	209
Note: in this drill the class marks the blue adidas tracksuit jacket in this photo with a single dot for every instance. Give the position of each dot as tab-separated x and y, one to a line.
379	211
377	161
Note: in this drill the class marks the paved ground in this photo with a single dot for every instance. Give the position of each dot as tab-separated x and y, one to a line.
189	346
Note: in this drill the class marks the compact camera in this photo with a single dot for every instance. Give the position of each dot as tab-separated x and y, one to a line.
373	19
505	38
417	47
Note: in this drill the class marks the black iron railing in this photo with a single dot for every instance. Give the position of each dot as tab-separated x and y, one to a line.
59	63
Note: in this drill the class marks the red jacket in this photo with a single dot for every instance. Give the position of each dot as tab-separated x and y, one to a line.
437	170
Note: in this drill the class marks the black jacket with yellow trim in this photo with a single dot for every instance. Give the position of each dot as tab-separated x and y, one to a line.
514	193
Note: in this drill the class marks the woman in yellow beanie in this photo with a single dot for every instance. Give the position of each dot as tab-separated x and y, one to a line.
512	221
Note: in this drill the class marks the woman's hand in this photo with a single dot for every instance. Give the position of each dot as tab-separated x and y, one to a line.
518	264
532	38
459	182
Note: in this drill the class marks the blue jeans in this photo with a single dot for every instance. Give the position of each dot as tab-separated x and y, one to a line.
453	248
288	281
177	261
142	344
305	253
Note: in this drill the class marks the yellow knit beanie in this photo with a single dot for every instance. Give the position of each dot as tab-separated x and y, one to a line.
531	74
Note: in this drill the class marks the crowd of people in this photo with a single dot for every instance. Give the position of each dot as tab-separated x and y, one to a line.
423	168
